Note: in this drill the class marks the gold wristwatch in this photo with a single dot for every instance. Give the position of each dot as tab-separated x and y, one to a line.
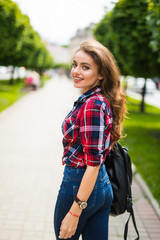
82	204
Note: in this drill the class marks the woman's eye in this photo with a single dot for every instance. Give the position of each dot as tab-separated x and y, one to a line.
74	65
85	67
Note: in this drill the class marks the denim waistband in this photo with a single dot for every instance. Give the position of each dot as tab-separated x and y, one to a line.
77	173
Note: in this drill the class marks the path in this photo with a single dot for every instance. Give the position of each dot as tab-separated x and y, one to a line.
30	168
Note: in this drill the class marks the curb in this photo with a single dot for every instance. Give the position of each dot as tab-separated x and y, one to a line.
146	191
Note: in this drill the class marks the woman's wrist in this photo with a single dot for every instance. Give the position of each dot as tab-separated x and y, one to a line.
75	209
75	215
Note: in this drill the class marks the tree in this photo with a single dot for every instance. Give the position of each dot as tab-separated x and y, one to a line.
154	24
32	52
11	29
132	37
128	30
103	32
20	45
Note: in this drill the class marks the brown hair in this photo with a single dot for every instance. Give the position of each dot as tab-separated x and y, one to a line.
110	85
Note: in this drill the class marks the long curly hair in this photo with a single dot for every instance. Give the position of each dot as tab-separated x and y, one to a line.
110	84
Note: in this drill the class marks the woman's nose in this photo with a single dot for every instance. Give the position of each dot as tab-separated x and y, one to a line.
76	70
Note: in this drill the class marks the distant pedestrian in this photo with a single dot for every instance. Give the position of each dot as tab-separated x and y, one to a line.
29	80
35	81
89	132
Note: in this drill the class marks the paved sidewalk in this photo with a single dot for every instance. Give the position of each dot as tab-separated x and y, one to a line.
30	168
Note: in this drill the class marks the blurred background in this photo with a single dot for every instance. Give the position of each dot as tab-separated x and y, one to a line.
37	42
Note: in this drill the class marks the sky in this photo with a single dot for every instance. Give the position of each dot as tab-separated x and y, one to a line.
58	20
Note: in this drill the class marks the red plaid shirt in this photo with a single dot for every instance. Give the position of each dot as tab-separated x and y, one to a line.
87	130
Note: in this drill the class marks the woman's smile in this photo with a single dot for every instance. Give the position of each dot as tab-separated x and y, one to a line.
77	79
84	71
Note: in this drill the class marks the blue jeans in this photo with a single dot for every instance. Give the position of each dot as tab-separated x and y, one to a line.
93	222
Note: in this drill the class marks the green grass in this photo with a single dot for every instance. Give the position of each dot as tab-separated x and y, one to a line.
143	141
44	79
10	93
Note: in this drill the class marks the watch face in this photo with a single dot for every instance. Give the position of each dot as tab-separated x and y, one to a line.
83	205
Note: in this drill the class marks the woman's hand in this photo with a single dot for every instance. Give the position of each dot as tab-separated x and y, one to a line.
68	226
70	222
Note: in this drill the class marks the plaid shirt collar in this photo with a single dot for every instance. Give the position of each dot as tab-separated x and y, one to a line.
87	94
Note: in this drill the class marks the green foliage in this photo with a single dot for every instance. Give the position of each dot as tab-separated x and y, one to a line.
61	65
65	46
154	24
143	137
11	29
103	33
132	32
132	37
129	33
20	45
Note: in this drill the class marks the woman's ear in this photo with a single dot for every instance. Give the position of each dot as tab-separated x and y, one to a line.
100	77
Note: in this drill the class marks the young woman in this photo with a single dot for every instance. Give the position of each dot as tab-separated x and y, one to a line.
90	131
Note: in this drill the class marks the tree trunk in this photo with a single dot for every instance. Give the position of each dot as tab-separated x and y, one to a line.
142	106
12	73
125	83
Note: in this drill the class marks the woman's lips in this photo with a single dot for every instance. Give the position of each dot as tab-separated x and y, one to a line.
77	80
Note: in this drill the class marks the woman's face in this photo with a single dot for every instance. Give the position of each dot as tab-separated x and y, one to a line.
84	71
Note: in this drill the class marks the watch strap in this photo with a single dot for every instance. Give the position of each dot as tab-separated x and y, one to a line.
76	199
82	204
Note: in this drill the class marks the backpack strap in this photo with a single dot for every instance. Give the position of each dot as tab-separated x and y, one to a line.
129	201
134	223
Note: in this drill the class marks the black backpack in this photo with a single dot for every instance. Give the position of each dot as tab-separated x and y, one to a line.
118	167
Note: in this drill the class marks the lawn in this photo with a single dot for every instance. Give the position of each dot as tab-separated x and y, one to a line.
143	142
11	93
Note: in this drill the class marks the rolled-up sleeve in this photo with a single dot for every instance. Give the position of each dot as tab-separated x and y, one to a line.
92	132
